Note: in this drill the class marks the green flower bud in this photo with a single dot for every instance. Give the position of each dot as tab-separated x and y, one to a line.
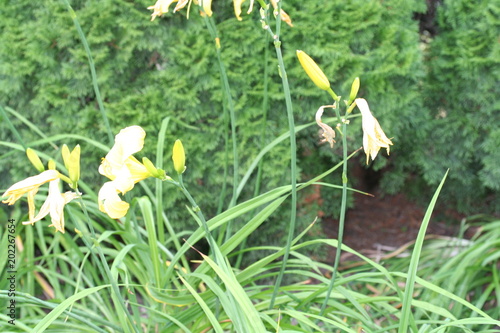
354	90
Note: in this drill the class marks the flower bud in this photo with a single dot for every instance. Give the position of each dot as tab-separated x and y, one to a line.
179	157
354	90
313	71
72	163
151	167
35	160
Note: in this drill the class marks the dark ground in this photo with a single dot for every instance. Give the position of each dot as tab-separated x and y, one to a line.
378	225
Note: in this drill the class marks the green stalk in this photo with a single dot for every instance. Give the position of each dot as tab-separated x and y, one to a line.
92	71
343	204
293	151
230	106
265	108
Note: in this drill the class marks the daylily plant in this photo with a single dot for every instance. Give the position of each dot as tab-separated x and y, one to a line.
161	7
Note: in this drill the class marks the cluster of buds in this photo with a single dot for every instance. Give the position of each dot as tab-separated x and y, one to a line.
374	137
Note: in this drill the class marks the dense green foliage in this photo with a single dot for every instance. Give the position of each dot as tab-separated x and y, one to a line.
461	96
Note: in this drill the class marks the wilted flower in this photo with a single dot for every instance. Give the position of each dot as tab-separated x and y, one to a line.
123	169
374	137
328	132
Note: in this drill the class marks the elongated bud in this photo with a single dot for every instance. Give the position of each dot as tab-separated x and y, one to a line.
151	167
313	71
35	160
179	157
72	163
354	90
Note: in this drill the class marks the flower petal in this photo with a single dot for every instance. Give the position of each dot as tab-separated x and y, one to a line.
110	203
29	184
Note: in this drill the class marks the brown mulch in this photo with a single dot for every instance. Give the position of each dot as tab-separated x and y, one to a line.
384	223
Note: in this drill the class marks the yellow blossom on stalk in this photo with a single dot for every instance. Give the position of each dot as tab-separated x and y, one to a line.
374	137
30	185
313	71
179	157
54	205
328	132
123	169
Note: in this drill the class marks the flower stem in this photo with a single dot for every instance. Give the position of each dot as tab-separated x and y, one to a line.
342	207
293	149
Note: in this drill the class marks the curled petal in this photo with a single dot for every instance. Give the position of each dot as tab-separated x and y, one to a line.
110	202
30	184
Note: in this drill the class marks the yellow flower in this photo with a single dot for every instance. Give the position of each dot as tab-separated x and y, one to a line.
161	7
30	185
313	71
374	137
54	205
123	169
179	157
328	132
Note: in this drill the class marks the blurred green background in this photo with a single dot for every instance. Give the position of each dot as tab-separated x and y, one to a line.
429	70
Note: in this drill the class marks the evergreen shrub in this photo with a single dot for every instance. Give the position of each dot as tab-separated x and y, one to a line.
461	93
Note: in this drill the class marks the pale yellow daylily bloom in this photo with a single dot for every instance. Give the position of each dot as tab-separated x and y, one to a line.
161	7
374	137
30	185
110	202
328	132
123	169
54	205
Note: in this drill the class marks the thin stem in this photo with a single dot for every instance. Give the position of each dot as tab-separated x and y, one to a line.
293	152
230	107
342	209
